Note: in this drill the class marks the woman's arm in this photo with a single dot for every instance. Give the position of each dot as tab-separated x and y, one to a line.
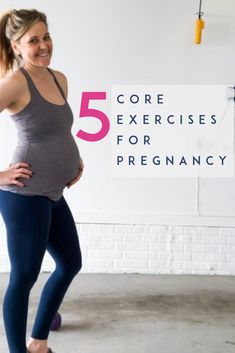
11	89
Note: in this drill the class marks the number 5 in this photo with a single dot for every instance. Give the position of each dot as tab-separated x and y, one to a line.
85	112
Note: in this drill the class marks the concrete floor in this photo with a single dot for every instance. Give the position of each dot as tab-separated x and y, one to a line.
141	314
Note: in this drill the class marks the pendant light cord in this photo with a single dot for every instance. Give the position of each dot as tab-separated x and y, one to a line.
200	6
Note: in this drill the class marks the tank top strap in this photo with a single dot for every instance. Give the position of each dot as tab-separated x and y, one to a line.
57	83
32	88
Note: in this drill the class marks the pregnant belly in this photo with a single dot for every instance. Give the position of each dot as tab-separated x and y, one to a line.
54	164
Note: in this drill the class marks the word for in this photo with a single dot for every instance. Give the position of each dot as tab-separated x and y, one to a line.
133	139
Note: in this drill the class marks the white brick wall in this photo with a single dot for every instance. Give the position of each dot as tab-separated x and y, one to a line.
149	249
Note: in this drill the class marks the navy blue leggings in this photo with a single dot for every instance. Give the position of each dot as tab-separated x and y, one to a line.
35	224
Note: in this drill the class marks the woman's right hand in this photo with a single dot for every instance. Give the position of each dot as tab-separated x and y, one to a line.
18	170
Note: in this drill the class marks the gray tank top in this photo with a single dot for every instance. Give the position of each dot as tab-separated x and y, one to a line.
45	141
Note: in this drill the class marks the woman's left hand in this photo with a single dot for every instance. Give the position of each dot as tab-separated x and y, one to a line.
80	171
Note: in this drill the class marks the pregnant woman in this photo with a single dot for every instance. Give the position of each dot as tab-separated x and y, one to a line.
45	161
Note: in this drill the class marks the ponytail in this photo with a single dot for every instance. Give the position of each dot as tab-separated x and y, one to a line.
7	56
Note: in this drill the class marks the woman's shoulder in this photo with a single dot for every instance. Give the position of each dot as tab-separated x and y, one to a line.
14	77
12	88
13	81
58	73
62	80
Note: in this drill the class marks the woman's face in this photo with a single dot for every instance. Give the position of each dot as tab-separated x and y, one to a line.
35	46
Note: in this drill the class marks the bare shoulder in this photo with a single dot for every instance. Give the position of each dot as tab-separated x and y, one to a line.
12	87
62	80
14	80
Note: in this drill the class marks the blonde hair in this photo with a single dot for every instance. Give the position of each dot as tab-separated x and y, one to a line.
13	25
